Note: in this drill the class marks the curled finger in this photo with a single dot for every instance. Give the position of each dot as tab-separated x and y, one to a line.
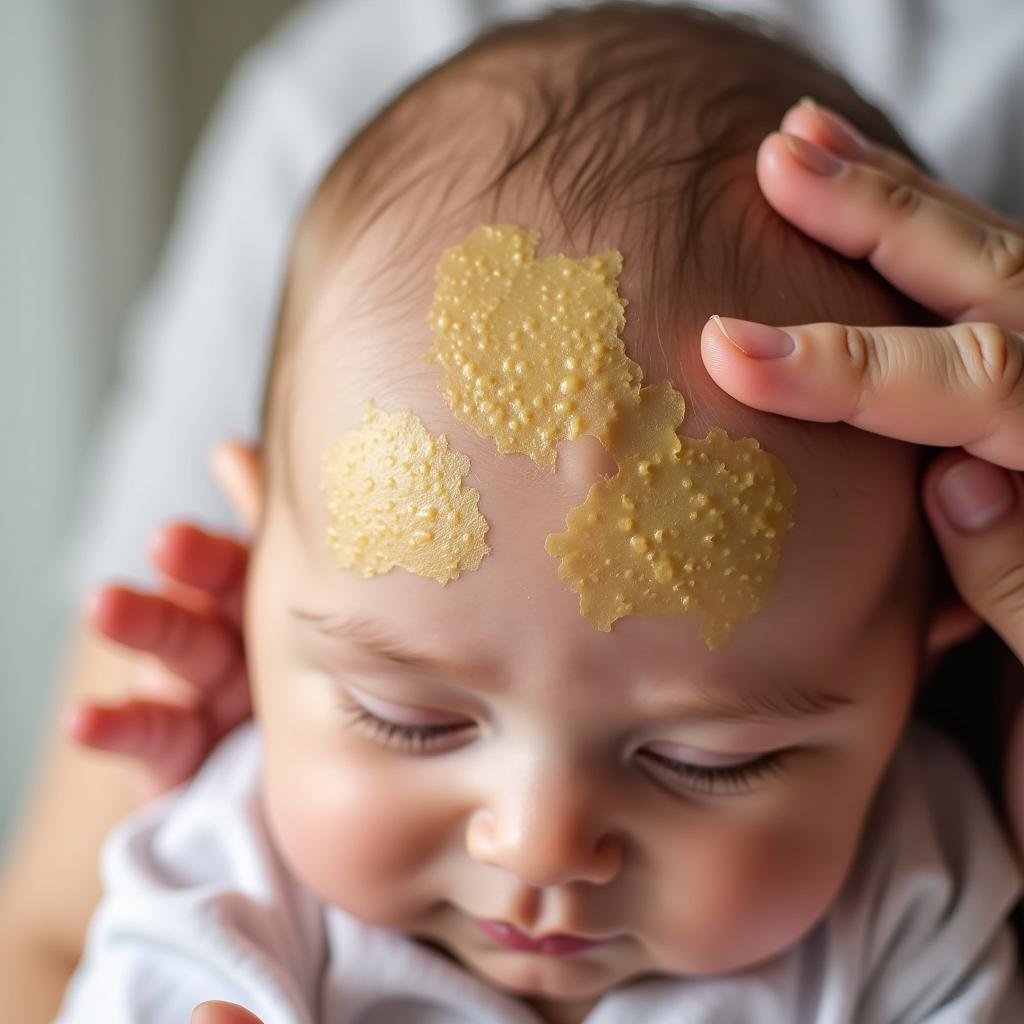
168	740
201	647
212	564
938	252
977	513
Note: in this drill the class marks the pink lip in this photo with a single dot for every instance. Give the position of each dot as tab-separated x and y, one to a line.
555	944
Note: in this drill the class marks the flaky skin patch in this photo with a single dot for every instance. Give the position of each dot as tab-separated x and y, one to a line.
395	497
685	526
530	347
532	355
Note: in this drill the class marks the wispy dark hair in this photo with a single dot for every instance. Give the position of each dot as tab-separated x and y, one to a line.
632	125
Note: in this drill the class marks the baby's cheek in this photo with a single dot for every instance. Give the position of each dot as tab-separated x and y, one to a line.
355	835
742	892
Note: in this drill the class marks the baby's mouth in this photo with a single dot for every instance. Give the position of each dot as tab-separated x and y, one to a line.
552	943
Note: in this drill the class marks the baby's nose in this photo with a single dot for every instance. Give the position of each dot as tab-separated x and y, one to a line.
547	828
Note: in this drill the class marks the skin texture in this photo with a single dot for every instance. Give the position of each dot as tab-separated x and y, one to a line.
546	809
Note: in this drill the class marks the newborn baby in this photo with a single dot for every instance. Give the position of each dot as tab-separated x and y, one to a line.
468	802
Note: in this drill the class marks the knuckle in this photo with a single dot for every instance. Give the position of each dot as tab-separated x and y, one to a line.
992	360
865	357
1003	252
902	197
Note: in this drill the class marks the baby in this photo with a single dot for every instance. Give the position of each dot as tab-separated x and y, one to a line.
470	803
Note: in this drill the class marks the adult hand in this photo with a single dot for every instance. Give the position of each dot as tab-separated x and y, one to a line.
961	385
217	1012
193	686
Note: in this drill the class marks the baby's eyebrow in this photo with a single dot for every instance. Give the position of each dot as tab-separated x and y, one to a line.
779	701
772	703
368	634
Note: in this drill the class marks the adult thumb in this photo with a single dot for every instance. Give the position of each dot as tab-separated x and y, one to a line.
217	1012
976	511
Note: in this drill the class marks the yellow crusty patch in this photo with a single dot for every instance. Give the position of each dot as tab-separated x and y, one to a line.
395	497
532	355
530	347
685	525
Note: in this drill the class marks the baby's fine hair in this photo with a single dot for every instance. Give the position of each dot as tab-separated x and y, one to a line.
624	125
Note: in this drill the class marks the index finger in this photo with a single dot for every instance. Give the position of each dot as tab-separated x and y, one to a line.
959	385
938	252
205	562
200	648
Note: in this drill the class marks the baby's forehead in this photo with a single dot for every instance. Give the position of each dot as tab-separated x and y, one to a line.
831	464
368	335
855	501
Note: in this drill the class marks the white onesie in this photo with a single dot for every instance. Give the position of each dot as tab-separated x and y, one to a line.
199	906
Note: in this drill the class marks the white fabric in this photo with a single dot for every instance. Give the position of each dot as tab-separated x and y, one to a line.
196	350
199	906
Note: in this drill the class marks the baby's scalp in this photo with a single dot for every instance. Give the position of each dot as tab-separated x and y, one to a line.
606	129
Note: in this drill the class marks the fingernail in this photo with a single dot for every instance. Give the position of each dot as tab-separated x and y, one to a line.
842	137
975	495
758	341
814	158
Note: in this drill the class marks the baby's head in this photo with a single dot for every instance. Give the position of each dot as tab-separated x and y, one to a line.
697	809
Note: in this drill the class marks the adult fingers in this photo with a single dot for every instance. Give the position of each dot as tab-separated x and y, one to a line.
832	131
958	385
171	741
936	251
217	1012
214	564
223	705
203	649
977	514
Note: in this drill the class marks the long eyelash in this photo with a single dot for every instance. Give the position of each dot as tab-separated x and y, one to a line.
704	779
400	735
734	778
